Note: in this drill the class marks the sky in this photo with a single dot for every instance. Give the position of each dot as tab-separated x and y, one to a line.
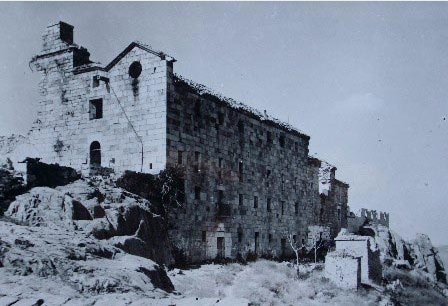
367	81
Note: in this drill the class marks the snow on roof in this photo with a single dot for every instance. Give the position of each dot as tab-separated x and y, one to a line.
204	90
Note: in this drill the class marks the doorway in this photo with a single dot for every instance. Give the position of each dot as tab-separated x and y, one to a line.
220	247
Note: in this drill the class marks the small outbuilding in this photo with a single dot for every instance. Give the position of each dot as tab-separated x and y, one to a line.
339	265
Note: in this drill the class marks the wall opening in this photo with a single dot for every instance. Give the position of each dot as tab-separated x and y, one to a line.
282	141
95	154
268	205
257	236
197	193
240	235
220	197
255	202
283	246
240	127
96	109
221	247
135	70
179	157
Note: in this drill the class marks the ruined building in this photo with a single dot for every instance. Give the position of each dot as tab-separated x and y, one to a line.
248	178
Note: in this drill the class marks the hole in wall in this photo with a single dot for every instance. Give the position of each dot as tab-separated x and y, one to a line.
135	70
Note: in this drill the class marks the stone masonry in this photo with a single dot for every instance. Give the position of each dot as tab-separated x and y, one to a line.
333	199
249	181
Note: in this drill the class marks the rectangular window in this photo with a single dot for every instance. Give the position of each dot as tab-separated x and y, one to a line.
268	205
270	238
179	157
257	235
197	108
241	127
197	193
96	81
220	162
269	137
96	109
255	202
283	207
197	156
220	118
240	200
296	208
240	236
282	141
204	236
240	171
220	196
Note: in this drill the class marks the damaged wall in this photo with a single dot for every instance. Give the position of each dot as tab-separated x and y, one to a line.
252	175
67	124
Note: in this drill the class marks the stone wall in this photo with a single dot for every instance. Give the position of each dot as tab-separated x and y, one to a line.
247	179
333	209
365	248
356	220
131	130
343	270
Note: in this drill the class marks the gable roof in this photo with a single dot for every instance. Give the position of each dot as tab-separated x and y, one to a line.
142	46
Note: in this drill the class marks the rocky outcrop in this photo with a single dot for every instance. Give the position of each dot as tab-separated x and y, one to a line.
89	266
99	210
418	254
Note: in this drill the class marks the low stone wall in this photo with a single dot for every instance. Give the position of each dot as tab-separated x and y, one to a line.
343	270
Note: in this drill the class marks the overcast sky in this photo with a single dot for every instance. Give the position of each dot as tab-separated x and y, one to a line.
367	81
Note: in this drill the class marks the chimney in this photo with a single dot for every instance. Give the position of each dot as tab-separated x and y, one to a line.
57	37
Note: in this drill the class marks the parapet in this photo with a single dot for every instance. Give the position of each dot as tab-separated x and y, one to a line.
375	217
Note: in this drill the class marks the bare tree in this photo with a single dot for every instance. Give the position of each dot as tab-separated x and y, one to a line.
295	248
317	241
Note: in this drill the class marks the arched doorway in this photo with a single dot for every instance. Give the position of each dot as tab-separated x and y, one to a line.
95	154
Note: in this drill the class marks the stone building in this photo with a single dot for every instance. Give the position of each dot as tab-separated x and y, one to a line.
248	178
333	193
365	248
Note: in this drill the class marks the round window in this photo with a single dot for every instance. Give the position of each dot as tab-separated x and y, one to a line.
135	70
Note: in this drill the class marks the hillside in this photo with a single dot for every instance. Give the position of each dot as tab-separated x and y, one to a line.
91	243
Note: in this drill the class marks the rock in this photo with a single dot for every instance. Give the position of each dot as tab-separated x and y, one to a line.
76	261
158	278
417	254
77	207
80	212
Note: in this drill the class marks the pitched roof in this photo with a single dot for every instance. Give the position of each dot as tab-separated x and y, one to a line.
142	46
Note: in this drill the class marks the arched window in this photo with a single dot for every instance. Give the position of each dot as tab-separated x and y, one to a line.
95	154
